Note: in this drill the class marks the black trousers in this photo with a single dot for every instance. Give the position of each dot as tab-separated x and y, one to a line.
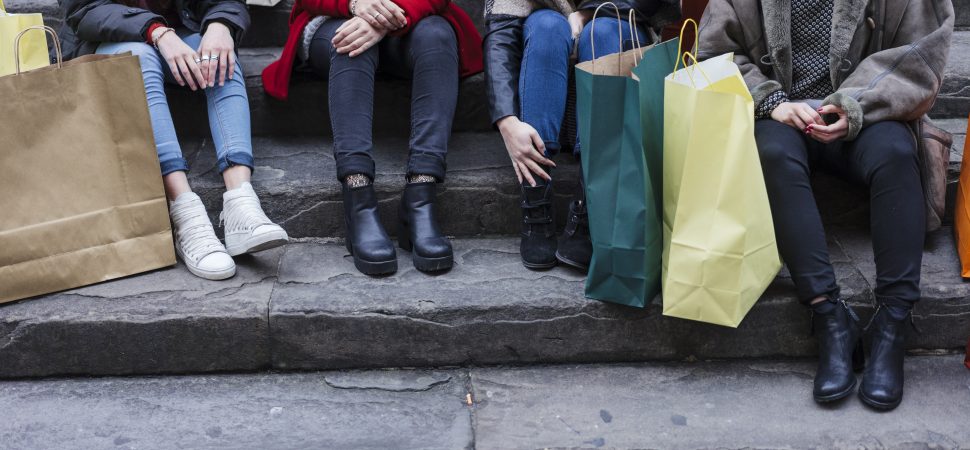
428	55
884	158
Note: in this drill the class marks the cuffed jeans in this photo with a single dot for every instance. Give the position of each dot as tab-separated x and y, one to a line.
228	108
883	157
544	76
428	55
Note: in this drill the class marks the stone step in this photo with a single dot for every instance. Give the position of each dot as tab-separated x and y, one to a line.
686	405
305	307
295	179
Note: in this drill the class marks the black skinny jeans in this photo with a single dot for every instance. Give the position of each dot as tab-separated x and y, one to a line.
883	157
428	55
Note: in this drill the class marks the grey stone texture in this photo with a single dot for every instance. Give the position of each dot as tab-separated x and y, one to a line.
372	410
709	404
306	307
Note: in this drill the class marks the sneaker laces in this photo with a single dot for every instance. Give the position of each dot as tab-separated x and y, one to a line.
196	237
243	213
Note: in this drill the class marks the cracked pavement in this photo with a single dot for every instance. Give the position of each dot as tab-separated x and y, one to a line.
708	404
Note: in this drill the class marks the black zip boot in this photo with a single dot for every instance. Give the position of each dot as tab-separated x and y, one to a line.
418	231
538	245
835	326
575	248
882	382
367	241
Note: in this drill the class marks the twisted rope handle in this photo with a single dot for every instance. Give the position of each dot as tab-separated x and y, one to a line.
592	32
49	30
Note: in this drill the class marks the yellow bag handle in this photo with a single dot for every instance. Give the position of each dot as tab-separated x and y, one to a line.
2	9
16	44
680	42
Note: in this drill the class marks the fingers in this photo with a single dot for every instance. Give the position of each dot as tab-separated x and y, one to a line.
396	14
796	121
224	67
382	18
537	170
231	67
346	29
526	173
839	126
352	42
363	44
809	115
518	174
830	109
205	66
176	71
195	71
186	72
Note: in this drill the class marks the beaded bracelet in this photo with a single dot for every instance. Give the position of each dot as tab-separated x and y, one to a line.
155	40
353	8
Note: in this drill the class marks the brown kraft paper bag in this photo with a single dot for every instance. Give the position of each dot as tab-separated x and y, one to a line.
81	196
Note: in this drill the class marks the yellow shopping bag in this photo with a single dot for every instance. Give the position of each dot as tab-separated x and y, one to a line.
33	47
719	242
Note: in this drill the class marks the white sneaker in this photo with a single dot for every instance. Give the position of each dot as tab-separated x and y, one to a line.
196	242
247	228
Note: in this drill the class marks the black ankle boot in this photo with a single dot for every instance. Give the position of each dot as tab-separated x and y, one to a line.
839	350
418	231
882	382
367	241
538	245
575	248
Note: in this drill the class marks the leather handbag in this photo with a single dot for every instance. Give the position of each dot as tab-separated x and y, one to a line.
934	153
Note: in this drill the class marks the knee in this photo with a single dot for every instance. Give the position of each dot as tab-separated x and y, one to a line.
897	150
604	34
148	57
434	32
547	25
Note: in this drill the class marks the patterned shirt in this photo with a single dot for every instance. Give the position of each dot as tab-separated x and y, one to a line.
811	39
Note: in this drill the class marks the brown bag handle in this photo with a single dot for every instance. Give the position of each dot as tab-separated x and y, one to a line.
49	30
592	31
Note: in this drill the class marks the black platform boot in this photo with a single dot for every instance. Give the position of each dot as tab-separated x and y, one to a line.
882	382
367	241
418	231
538	245
835	326
575	248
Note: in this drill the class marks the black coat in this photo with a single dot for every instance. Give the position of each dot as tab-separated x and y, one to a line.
88	23
504	46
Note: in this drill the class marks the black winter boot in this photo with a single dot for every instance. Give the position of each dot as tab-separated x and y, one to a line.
575	248
882	382
367	241
538	245
835	326
418	231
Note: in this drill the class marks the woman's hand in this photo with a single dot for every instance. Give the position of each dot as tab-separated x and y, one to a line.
578	20
380	14
181	59
797	115
218	53
830	133
525	148
356	35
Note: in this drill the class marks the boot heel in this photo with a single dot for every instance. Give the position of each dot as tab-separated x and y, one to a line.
858	357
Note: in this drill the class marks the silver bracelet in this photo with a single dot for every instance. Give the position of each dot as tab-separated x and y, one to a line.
353	7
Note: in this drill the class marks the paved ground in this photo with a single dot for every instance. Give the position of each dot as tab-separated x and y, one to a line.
760	404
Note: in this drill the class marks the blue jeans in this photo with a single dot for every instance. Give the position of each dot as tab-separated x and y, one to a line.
228	107
544	77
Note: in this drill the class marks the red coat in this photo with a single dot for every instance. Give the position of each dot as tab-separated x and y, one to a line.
276	76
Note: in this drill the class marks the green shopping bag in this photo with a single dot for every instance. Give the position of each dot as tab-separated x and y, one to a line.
656	64
621	197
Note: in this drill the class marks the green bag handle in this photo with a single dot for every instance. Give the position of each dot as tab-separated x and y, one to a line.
49	30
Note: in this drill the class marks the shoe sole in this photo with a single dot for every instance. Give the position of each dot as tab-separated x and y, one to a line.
571	263
257	244
538	266
877	404
432	264
836	397
375	268
206	274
